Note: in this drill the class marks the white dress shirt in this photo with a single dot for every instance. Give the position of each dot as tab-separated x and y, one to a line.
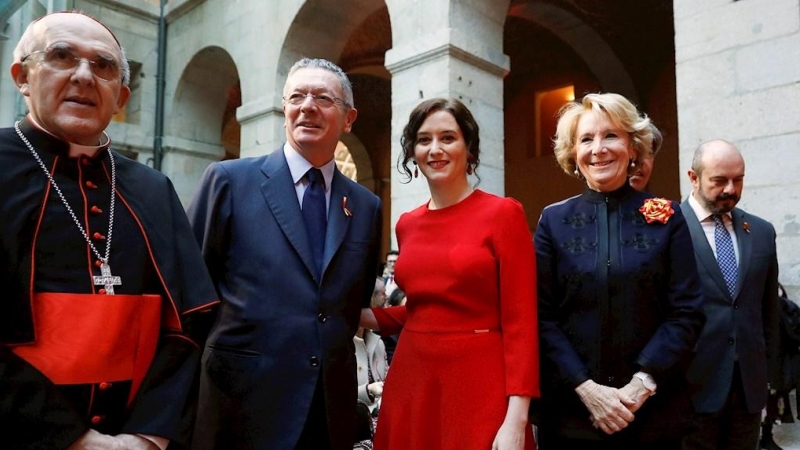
707	222
298	166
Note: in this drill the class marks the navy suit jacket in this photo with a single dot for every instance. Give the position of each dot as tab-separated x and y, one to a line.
616	295
279	328
743	326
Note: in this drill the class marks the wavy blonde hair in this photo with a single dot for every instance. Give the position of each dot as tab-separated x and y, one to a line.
618	109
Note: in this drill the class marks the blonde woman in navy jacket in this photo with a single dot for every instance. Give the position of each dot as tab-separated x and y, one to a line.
619	301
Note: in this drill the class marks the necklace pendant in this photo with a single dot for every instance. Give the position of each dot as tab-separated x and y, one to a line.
107	280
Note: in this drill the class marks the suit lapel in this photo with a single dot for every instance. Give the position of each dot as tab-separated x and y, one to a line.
744	242
338	221
281	197
702	248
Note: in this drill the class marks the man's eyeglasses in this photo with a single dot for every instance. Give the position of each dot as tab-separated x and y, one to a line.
322	100
58	58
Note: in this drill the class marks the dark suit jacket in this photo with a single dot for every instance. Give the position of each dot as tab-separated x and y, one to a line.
746	325
616	295
279	328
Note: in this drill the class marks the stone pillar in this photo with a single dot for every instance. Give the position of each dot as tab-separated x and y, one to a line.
184	163
262	127
448	48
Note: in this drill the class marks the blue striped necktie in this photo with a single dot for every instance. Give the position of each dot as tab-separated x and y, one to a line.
726	257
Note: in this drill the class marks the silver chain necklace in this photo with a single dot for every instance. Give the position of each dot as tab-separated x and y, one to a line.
106	280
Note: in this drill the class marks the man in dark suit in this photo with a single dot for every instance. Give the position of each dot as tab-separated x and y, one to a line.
279	369
738	266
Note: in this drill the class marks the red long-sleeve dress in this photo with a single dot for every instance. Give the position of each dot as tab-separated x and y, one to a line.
469	327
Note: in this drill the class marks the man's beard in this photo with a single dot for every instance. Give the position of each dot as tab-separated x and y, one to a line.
714	205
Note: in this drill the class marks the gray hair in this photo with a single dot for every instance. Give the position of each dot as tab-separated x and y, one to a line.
319	63
29	43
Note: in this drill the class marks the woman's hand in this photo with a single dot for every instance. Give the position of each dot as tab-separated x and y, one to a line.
511	435
635	391
608	406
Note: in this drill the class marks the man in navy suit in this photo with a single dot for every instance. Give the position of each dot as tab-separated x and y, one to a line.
738	266
279	371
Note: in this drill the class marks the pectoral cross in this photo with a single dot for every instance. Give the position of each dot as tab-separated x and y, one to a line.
107	280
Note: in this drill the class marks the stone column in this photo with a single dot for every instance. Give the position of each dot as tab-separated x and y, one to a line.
448	48
262	127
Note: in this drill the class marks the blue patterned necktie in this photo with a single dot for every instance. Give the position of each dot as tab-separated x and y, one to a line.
314	215
726	258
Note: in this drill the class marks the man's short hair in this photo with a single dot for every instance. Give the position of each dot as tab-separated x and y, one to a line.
319	63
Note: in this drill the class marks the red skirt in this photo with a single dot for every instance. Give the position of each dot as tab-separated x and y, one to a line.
444	391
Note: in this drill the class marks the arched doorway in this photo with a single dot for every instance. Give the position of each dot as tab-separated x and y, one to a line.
201	127
625	46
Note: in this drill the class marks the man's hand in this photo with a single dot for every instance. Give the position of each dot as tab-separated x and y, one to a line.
92	440
133	442
608	406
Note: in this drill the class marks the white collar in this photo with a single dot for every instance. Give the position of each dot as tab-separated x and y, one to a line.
77	149
701	212
298	166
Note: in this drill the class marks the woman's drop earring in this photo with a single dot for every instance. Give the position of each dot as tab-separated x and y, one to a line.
469	169
416	170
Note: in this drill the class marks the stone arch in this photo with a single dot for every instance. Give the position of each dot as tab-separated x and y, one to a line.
625	47
356	38
361	158
202	98
322	29
592	48
202	127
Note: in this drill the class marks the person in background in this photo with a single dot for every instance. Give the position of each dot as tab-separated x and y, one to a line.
388	271
106	300
371	367
735	361
640	176
379	294
292	245
620	307
398	298
779	408
466	369
377	362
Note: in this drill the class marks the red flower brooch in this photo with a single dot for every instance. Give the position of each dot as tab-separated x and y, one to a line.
657	209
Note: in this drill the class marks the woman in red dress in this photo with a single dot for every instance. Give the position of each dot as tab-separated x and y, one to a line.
466	365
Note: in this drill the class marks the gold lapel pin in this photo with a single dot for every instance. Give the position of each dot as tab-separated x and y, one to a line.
746	227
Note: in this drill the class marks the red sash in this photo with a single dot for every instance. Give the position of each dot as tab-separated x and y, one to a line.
87	338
